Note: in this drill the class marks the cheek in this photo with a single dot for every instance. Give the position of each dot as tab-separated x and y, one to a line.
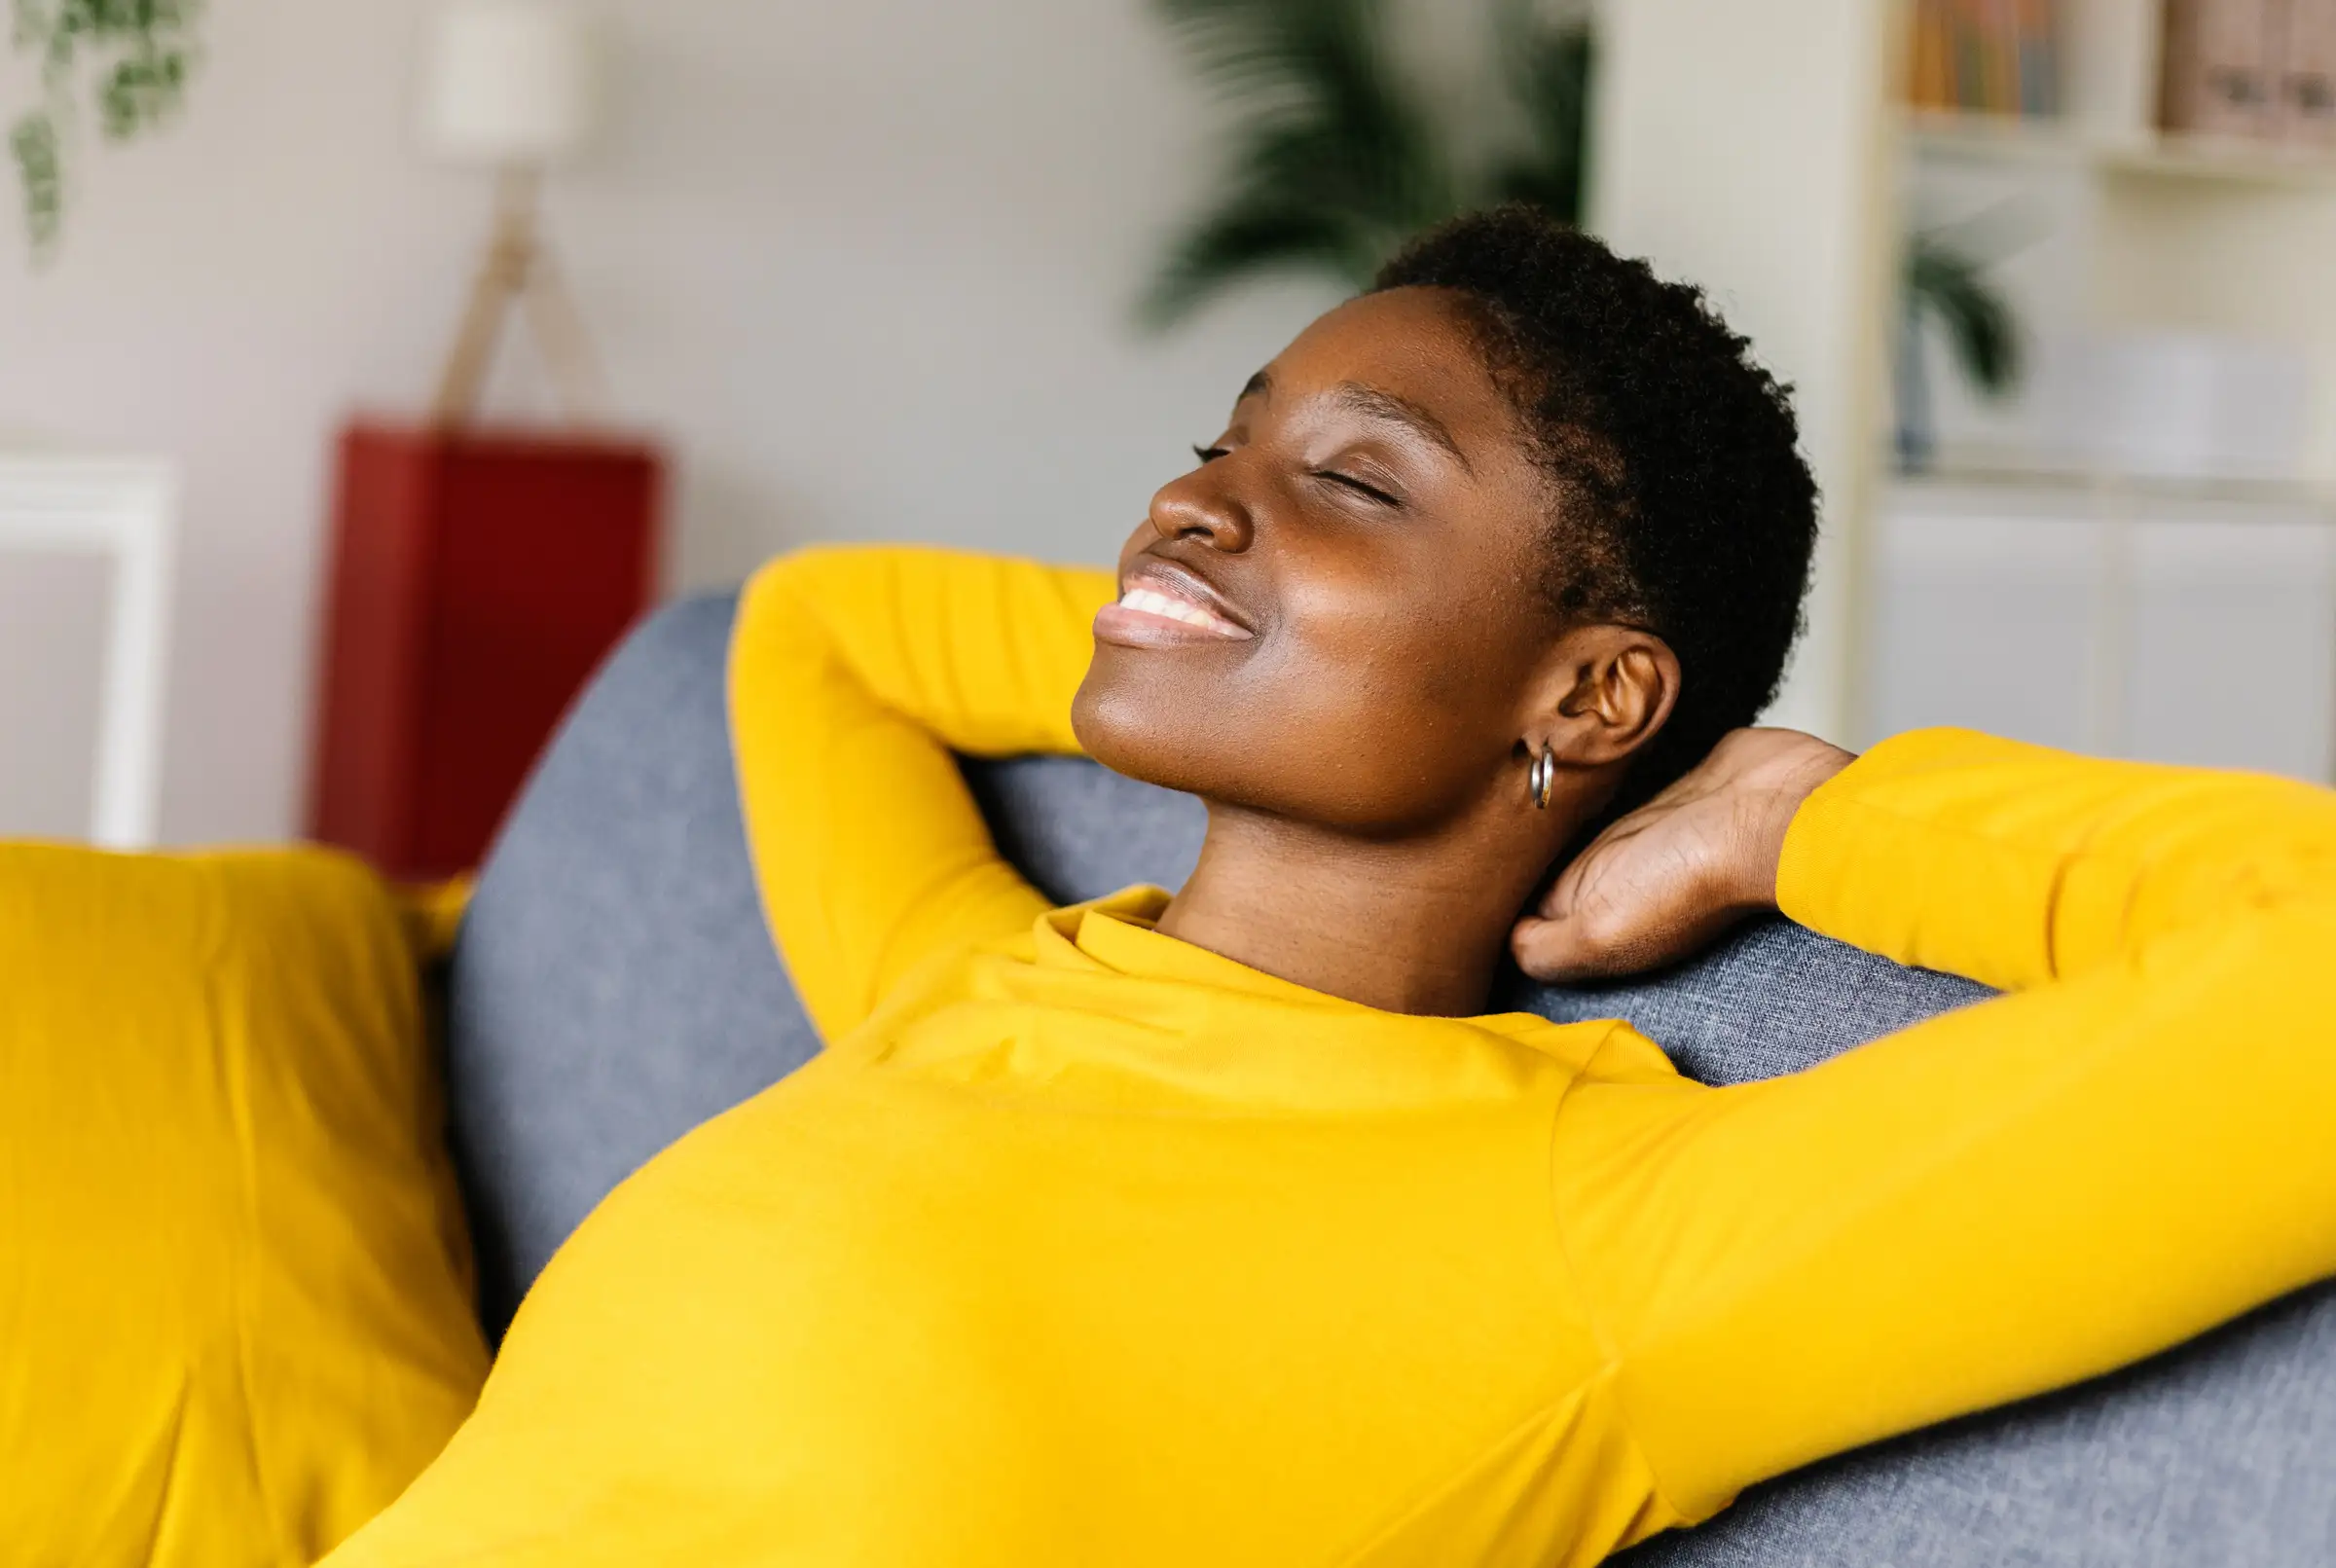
1399	692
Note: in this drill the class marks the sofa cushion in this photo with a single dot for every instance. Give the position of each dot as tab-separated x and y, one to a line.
235	1298
2222	1452
614	985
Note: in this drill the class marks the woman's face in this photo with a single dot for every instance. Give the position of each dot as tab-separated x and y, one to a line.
1338	616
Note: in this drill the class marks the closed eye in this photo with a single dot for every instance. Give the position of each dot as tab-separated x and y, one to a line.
1350	481
1208	453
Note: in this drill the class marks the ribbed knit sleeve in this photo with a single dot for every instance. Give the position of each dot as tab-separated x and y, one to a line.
854	673
2137	1145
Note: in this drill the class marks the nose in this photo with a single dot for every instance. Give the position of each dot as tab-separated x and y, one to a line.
1204	507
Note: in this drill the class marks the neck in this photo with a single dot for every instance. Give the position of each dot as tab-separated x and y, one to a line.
1415	925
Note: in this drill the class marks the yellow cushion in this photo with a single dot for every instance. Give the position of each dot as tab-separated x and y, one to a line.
235	1298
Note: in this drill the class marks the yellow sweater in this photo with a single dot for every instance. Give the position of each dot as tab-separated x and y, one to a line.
1084	1246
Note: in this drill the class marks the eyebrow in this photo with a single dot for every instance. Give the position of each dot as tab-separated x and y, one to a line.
1373	403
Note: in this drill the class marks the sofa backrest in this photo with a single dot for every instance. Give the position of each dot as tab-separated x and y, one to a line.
614	985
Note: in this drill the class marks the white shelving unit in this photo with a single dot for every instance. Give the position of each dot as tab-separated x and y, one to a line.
2183	621
2123	580
2006	138
1762	149
2161	231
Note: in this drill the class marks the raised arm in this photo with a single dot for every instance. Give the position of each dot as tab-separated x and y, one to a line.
854	673
2138	1146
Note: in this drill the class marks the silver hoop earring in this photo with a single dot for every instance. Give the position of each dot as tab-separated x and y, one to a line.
1542	778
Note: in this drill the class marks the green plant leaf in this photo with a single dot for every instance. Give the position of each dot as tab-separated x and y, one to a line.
1330	164
34	141
141	52
1549	66
1980	331
139	91
1231	243
1331	159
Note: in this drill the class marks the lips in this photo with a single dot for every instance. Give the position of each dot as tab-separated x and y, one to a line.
1160	605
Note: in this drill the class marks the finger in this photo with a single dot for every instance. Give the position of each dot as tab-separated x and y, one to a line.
1558	952
1561	896
1584	947
1576	880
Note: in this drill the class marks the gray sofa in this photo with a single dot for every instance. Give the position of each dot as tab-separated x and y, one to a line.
613	985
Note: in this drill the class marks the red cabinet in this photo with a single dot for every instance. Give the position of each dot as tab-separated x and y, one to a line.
477	579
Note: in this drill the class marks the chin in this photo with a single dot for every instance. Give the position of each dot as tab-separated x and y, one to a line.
1159	731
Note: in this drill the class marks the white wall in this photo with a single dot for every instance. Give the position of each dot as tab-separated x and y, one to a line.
868	263
1745	146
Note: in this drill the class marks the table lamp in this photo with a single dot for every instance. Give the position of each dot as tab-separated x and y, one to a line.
513	86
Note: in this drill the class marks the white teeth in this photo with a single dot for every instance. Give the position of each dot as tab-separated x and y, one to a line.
1153	602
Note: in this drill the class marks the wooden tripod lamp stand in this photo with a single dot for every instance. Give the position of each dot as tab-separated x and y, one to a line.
513	84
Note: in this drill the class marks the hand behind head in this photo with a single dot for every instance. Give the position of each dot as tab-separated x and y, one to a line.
1665	880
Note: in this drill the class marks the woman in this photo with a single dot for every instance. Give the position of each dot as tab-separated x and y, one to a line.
1223	1228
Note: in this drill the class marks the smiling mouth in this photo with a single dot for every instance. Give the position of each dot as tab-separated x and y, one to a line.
1155	608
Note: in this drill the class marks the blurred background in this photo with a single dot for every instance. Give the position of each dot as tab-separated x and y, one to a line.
366	365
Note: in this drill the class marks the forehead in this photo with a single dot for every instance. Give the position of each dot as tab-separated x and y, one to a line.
1415	342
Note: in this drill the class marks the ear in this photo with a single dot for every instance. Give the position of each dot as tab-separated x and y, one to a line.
1605	692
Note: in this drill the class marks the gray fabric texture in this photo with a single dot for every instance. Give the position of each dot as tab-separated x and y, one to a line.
1771	1000
613	985
2222	1452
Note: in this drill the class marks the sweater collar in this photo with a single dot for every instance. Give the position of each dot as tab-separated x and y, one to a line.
1115	934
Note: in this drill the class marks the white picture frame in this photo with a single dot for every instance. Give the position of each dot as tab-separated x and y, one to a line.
124	509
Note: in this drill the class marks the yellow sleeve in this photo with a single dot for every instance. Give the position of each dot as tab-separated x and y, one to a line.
2137	1146
854	673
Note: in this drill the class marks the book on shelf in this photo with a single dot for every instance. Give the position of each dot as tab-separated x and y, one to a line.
2220	67
2256	68
2037	64
2307	78
1985	56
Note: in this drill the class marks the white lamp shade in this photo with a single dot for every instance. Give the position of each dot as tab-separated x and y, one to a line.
509	81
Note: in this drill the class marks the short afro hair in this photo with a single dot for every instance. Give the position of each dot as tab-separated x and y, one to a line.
1683	505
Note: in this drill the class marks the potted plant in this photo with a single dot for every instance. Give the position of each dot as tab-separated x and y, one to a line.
1333	159
1946	283
129	57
